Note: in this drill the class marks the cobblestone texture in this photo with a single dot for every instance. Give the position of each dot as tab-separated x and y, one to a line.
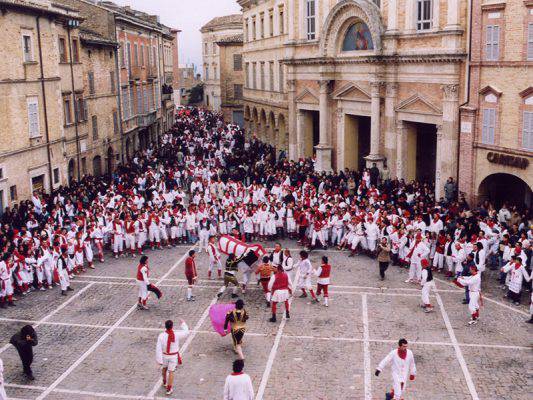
123	364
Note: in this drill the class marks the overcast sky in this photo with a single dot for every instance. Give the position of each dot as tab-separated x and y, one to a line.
188	16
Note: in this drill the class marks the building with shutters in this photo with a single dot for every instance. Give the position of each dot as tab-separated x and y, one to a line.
41	97
212	32
496	130
358	82
231	78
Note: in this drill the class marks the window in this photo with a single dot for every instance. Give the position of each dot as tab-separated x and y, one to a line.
245	33
112	81
281	78
135	55
310	16
271	22
527	132
262	25
84	166
142	55
75	51
139	100
206	70
81	108
13	192
128	56
154	57
254	75
132	109
115	122
271	75
424	14
237	62
247	75
262	76
254	29
489	125
122	55
530	41
214	48
33	116
56	176
27	48
215	76
125	103
146	102
94	121
67	109
147	56
206	49
237	92
281	21
492	43
90	80
62	50
1	173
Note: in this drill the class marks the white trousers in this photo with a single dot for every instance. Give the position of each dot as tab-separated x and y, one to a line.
426	289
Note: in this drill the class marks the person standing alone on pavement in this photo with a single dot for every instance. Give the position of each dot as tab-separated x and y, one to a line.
238	385
383	257
24	341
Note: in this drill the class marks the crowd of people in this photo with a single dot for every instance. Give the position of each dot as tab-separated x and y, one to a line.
204	179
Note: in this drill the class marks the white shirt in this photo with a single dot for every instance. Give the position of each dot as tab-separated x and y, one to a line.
400	368
238	387
161	346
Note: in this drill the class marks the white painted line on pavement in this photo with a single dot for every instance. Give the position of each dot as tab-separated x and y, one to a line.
458	352
489	299
107	333
55	311
366	348
274	349
187	343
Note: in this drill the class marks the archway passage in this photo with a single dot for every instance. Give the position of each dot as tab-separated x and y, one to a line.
501	187
70	171
356	141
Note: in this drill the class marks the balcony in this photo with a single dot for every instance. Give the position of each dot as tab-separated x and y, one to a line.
146	120
166	92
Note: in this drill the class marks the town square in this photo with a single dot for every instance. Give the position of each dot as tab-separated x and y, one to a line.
266	199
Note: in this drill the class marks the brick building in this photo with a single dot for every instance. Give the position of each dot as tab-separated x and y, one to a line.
231	78
40	79
496	128
212	32
60	66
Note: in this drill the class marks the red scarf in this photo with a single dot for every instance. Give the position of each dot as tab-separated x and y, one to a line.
402	354
171	339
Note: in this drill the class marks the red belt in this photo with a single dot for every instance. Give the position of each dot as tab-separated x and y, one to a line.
174	354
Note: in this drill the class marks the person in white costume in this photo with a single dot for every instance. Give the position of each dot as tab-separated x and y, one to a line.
403	367
3	395
474	288
238	385
167	351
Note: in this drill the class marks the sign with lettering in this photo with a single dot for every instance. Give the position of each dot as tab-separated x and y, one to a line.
508	160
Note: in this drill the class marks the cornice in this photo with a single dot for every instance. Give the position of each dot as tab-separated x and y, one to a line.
380	59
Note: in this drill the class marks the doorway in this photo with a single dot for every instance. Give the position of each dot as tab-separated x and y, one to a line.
310	131
356	141
505	188
421	151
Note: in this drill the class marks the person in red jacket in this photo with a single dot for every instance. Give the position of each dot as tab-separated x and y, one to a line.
280	288
190	273
323	273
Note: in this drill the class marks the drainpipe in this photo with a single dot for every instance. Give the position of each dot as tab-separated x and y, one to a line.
75	102
45	110
119	98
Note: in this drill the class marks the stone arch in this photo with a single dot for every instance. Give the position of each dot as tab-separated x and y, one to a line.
504	187
254	123
262	125
271	124
71	171
283	136
341	17
97	166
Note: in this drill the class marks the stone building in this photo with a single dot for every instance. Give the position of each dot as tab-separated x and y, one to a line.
266	33
40	79
496	127
168	43
366	82
231	78
212	32
62	115
188	79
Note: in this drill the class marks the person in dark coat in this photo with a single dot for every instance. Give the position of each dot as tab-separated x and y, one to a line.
24	341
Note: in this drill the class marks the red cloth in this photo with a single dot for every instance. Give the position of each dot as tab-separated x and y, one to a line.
171	339
281	281
190	267
325	271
